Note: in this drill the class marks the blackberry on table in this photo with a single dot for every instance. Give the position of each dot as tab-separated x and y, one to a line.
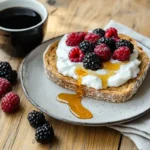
86	46
36	119
108	41
126	43
99	31
92	61
5	66
44	134
7	72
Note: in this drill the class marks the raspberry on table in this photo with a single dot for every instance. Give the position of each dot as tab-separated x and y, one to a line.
44	134
5	86
10	102
73	39
92	37
86	46
111	32
108	41
76	55
99	32
36	119
103	51
122	53
127	43
92	61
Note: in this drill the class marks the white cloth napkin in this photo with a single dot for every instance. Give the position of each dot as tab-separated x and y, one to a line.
138	130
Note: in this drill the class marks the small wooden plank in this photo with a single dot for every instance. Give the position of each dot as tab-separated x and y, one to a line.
127	144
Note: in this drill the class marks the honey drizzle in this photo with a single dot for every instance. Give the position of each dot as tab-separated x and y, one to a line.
74	100
112	66
103	77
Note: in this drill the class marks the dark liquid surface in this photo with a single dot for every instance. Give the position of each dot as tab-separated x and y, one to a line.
19	18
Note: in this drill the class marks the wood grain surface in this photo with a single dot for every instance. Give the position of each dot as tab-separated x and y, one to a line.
66	16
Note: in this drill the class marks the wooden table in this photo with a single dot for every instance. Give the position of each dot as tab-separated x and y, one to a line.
66	16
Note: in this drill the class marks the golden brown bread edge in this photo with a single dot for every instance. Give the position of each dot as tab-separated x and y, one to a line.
111	94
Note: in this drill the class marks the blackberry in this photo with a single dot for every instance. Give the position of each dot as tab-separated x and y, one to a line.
99	31
7	72
36	119
108	41
92	61
125	43
44	134
86	46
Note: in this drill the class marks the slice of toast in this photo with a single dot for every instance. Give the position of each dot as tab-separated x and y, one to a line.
111	94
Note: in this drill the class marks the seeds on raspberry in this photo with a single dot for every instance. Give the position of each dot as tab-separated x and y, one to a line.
73	39
122	53
10	102
103	51
116	39
92	37
76	55
111	32
99	32
5	86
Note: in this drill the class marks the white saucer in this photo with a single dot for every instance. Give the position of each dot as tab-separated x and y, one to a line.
42	93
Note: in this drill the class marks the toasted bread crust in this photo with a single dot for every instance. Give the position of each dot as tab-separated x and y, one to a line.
111	94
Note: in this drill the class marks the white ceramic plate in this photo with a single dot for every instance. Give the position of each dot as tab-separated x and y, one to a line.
42	93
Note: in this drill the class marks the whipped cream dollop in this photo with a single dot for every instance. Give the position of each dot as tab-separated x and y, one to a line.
127	70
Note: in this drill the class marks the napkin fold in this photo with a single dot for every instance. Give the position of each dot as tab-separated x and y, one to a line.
137	130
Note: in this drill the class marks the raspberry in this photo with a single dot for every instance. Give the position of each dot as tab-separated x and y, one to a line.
108	41
4	86
111	32
122	53
10	102
92	37
44	134
36	119
99	31
116	39
92	61
76	55
103	51
125	43
73	39
86	46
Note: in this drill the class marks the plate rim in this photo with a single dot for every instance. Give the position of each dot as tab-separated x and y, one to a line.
60	118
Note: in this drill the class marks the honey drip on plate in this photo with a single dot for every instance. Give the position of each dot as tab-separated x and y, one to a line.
74	100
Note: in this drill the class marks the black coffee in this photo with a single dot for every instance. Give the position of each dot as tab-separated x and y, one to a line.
19	18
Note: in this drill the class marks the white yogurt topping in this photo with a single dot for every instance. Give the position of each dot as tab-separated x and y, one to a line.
67	68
